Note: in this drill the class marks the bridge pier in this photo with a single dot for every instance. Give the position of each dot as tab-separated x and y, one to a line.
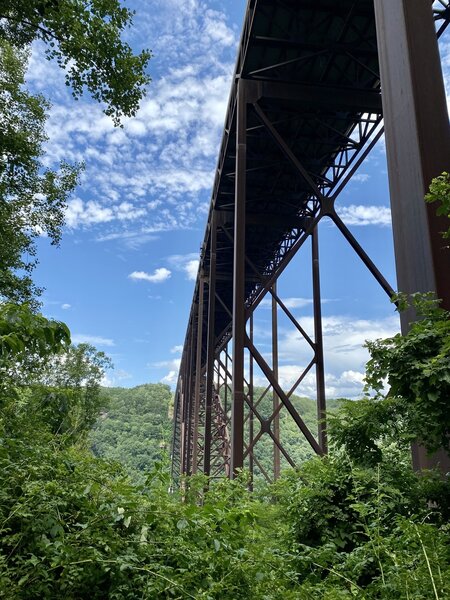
418	149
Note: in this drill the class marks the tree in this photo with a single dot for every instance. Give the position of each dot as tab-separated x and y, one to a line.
440	192
135	428
32	200
84	37
68	389
26	338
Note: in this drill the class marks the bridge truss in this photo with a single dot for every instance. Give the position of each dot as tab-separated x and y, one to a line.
304	112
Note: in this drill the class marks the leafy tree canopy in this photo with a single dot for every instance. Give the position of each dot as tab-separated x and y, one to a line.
32	199
84	37
135	427
68	389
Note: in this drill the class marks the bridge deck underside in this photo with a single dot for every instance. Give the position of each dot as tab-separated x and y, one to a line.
314	110
318	57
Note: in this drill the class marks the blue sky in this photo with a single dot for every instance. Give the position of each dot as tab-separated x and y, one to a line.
124	275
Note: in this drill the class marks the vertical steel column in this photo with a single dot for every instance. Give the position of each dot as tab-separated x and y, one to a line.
188	404
318	342
182	421
198	374
225	401
237	415
417	142
251	397
418	149
275	399
210	347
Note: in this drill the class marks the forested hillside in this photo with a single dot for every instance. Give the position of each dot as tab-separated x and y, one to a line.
134	427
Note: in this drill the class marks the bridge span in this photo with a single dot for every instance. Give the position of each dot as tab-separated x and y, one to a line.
306	108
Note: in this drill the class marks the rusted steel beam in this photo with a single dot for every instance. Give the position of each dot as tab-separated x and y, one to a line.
318	343
323	96
268	373
251	400
417	142
210	348
275	398
418	149
198	375
237	413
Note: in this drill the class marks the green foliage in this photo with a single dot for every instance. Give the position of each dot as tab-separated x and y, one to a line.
416	369
32	199
22	332
84	37
362	532
357	524
73	526
440	192
44	380
68	390
135	427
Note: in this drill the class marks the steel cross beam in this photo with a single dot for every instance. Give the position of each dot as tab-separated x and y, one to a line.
298	127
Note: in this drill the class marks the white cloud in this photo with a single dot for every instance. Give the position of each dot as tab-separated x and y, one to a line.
170	378
290	303
173	365
95	340
133	240
191	268
81	213
361	177
66	306
177	349
347	384
168	151
158	276
187	263
345	356
115	379
365	215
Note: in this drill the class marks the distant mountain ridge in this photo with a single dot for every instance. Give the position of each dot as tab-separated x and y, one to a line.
135	427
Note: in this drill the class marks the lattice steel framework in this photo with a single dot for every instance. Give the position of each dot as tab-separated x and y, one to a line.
304	112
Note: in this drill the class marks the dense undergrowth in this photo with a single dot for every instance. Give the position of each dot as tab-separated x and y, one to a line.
73	527
352	525
357	524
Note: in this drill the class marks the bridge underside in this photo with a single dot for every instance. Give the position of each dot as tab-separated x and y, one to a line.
305	110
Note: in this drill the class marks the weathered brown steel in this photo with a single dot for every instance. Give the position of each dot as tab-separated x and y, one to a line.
237	411
210	350
417	142
198	373
251	398
418	149
275	399
318	343
296	131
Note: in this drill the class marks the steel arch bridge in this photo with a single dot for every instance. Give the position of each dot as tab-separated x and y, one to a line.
306	108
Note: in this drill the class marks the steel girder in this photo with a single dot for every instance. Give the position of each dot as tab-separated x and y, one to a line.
305	110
